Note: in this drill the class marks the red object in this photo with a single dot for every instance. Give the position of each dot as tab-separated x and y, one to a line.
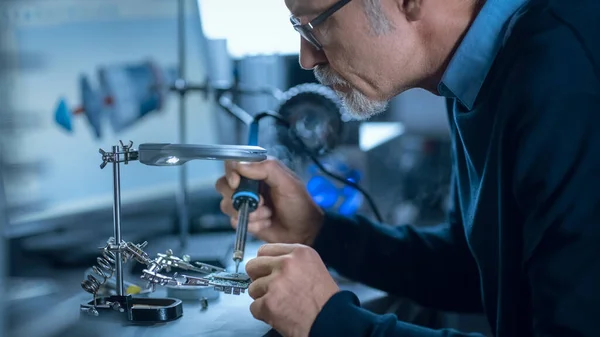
108	100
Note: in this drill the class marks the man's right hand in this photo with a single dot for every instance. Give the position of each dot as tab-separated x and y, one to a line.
286	213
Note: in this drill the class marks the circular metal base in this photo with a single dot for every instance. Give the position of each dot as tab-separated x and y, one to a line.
133	309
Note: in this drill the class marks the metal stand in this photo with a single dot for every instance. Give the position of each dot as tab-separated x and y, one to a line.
117	251
117	216
114	157
114	254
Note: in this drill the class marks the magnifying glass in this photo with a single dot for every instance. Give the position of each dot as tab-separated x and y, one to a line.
166	154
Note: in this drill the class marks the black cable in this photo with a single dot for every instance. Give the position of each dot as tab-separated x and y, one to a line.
316	161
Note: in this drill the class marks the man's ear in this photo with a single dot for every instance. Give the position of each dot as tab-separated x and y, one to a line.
413	9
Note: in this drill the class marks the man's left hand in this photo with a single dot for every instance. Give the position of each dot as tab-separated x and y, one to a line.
290	286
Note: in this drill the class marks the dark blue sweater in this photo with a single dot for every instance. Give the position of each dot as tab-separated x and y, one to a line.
522	243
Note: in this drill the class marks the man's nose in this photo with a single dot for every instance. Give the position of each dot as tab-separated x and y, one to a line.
310	57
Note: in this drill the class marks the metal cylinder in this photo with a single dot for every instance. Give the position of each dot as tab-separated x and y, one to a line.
261	71
220	64
117	217
241	232
221	74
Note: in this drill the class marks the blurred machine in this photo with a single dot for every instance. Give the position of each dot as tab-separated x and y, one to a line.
308	141
126	94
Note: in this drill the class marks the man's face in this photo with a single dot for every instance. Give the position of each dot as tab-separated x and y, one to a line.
354	61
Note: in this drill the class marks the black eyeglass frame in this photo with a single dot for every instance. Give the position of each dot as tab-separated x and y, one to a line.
306	30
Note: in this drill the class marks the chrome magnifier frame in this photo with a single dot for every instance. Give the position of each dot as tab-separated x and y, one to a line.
167	154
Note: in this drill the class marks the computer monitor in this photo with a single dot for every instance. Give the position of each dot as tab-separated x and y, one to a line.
70	38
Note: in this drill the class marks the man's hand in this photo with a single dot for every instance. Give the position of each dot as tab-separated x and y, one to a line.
290	287
286	212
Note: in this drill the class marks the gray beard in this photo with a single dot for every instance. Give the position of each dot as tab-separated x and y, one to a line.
357	106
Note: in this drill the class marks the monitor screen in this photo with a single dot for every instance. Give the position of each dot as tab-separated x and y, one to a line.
72	40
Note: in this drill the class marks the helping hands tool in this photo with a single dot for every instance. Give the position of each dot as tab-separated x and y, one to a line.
117	251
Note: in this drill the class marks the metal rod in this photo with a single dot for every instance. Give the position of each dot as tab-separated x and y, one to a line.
240	236
182	195
226	102
117	217
181	38
238	89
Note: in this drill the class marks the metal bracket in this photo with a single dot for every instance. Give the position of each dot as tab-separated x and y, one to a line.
128	153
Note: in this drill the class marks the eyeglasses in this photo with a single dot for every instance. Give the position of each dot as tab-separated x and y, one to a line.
306	30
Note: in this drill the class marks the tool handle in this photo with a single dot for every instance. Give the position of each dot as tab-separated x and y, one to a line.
247	191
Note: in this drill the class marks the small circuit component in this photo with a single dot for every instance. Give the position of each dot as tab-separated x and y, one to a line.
229	283
239	277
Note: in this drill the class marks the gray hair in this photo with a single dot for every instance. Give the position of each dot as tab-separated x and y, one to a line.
379	22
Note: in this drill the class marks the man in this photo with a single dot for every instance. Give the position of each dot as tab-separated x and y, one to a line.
522	240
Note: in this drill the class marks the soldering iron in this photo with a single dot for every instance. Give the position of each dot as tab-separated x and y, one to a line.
245	201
